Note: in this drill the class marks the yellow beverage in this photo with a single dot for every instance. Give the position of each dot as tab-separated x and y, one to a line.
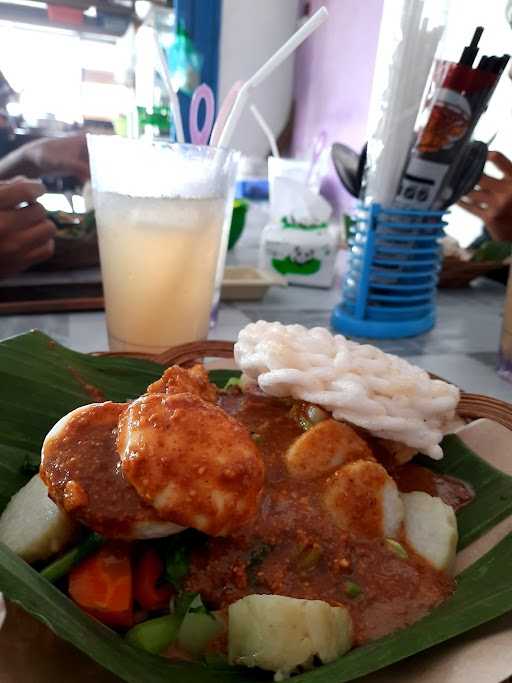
158	259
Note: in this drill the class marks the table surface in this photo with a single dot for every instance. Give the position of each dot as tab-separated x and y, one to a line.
461	348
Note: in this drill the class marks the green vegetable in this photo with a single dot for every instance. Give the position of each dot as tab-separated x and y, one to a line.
176	565
62	566
309	558
156	634
493	251
233	382
221	377
304	423
177	550
257	438
37	388
186	601
352	589
397	548
316	414
199	627
256	558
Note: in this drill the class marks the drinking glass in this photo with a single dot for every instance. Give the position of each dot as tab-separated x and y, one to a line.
163	213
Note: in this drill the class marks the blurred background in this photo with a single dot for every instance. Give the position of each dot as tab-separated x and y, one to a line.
90	65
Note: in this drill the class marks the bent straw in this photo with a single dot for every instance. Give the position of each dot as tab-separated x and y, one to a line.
264	71
266	129
173	97
226	107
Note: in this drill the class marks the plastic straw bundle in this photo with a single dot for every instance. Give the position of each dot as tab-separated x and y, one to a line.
407	44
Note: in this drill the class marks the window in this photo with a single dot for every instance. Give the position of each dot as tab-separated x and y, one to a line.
46	66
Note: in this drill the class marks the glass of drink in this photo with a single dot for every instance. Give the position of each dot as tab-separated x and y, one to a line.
163	213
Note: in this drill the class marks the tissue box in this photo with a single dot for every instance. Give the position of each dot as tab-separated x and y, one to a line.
303	257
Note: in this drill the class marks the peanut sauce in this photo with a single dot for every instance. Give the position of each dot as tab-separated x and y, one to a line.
292	547
84	475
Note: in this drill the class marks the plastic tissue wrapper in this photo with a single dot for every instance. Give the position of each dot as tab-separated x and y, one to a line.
295	201
298	243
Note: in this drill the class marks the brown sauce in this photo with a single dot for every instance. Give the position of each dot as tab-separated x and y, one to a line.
82	470
452	491
292	547
92	391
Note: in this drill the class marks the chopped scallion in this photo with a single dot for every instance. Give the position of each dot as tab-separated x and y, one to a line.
233	382
397	548
352	589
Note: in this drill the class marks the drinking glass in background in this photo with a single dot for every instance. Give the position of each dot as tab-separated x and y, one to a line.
163	213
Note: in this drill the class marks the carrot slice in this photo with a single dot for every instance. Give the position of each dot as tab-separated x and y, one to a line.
148	572
103	584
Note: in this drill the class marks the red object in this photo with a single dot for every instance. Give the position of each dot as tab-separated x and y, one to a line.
102	585
148	572
65	15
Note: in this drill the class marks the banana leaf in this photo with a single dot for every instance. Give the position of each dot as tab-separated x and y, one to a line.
41	380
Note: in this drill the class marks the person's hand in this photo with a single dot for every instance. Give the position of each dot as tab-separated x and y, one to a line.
491	199
26	234
65	156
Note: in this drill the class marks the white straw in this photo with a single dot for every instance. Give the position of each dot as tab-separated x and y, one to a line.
173	97
264	71
405	53
266	129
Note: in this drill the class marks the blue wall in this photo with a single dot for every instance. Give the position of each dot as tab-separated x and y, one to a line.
201	19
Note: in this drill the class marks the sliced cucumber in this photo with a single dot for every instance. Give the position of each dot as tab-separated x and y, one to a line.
199	629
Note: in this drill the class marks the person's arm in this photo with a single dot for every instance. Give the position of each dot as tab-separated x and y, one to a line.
48	156
491	199
26	234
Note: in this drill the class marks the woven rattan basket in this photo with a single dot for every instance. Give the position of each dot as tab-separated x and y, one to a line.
471	406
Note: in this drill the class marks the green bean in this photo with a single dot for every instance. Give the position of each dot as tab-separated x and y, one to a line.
62	566
156	634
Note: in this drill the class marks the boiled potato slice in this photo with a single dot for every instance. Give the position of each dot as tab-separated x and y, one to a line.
323	448
279	634
32	526
431	529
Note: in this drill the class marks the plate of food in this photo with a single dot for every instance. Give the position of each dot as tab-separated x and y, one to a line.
76	242
311	514
461	266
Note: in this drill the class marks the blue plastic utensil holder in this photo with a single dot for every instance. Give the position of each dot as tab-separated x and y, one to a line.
390	287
